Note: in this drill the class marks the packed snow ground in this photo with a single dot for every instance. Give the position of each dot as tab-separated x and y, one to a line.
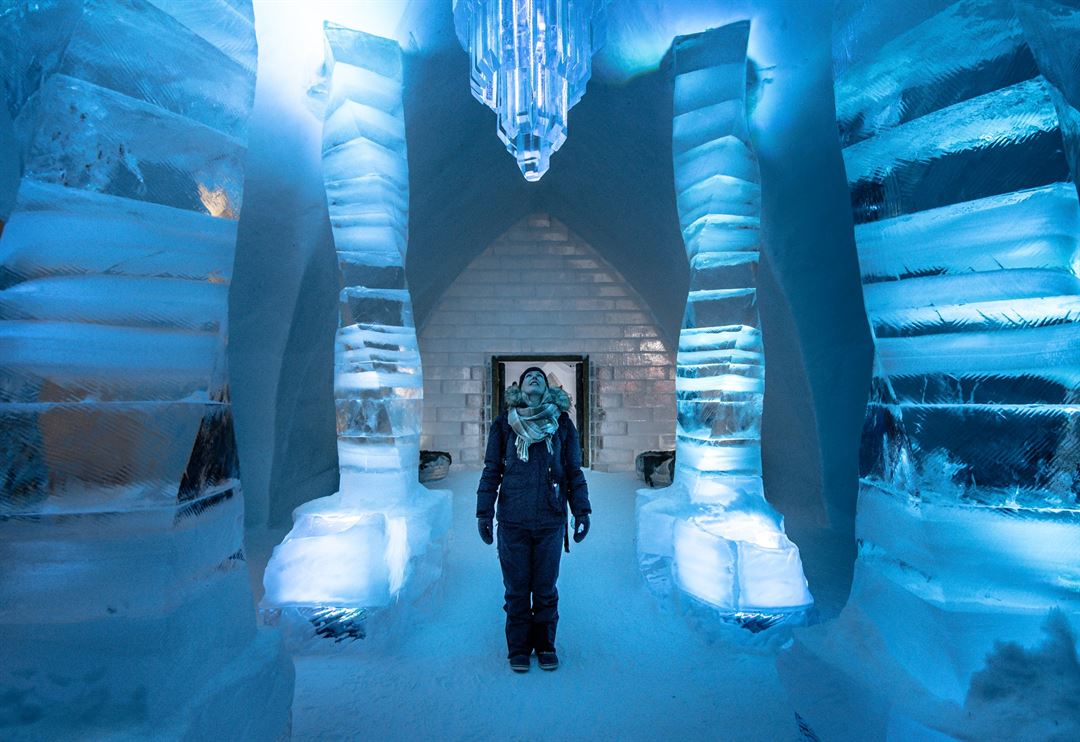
629	670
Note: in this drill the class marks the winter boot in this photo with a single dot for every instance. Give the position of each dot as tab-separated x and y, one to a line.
547	660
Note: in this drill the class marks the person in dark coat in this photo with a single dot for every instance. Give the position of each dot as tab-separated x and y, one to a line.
532	471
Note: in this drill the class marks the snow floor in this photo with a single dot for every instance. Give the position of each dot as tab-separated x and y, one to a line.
630	671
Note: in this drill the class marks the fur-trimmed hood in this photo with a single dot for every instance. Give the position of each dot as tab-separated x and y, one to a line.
516	398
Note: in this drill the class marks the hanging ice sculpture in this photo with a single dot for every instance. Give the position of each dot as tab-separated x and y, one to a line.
125	605
711	536
957	151
380	538
529	61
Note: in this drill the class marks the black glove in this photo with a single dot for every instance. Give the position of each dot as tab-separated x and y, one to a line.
581	528
484	525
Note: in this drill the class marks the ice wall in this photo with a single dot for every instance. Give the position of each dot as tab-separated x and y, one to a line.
960	155
125	607
711	539
380	538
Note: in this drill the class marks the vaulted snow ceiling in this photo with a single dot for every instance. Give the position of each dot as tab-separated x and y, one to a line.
611	182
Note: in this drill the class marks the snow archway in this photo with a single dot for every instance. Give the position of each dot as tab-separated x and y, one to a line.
539	288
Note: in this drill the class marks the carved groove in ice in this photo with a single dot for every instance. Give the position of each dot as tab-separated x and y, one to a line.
380	537
120	504
711	535
973	304
962	173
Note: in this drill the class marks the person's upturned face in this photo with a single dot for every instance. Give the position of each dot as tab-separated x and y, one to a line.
534	383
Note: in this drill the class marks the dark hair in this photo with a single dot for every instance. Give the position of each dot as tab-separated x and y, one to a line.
521	379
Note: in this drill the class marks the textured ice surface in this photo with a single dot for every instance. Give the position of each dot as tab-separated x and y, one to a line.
380	538
962	174
711	536
967	230
125	605
893	68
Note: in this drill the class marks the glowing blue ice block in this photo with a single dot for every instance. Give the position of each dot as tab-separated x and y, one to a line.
121	514
962	174
711	536
380	538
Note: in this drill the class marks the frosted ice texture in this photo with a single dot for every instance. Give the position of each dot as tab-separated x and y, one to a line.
967	225
120	505
711	535
380	538
962	174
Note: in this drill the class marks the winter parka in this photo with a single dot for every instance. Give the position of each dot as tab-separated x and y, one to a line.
533	493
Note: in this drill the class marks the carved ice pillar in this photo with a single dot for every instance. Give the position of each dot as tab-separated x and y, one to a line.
125	606
711	536
379	539
967	226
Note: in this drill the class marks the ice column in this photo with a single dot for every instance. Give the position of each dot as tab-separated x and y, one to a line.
967	224
712	535
380	538
125	606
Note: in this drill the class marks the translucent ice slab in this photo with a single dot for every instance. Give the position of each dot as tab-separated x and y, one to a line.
125	609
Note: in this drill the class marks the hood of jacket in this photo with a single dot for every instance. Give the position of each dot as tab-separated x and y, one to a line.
516	398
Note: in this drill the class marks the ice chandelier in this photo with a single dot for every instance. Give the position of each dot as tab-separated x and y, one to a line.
530	61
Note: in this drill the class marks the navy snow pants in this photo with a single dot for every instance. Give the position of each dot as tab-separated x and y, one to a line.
530	566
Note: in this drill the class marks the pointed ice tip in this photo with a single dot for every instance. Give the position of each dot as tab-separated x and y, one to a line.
533	158
533	166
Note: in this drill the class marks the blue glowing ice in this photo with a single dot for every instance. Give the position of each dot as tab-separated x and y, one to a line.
711	535
380	538
967	224
120	505
962	174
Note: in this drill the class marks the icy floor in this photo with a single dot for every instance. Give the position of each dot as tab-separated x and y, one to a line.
629	671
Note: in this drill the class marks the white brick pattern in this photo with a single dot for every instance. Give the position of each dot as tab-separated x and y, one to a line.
540	289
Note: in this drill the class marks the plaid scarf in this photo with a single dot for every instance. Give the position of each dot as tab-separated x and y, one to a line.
532	424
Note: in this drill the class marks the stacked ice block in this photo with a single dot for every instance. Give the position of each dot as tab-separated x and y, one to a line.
125	607
380	539
960	155
711	538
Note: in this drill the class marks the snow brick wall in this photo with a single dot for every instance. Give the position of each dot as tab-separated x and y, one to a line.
541	289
